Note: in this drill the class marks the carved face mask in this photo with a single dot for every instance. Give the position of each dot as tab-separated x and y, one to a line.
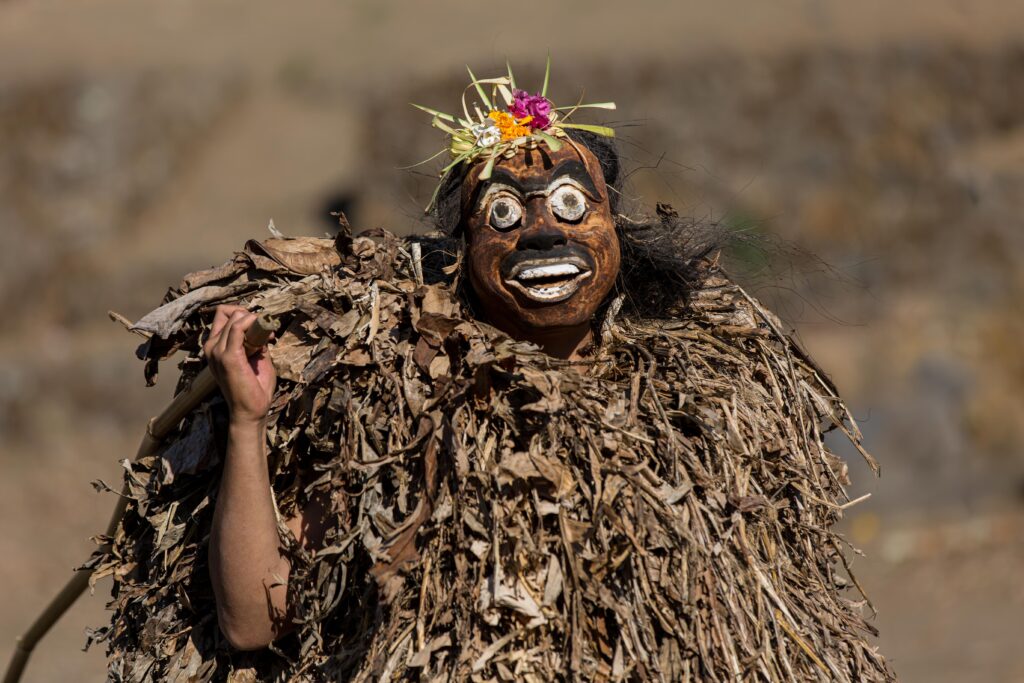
542	249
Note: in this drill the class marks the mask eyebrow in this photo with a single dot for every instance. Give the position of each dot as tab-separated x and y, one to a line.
571	168
500	176
574	169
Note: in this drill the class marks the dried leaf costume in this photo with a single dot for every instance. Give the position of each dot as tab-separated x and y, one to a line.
661	510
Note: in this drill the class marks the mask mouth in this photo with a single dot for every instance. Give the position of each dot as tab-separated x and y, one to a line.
548	280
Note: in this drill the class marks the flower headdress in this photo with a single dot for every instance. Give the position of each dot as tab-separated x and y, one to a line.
526	122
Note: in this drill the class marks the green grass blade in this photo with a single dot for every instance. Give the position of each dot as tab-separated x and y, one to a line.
479	89
434	112
433	196
592	105
554	144
456	161
488	168
465	107
599	130
506	94
425	161
437	123
547	74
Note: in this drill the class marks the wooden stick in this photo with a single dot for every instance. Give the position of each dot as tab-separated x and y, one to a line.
159	427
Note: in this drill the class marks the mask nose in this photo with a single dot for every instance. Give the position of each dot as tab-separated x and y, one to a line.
541	238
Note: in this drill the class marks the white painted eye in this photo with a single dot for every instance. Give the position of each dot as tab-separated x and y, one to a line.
568	203
505	212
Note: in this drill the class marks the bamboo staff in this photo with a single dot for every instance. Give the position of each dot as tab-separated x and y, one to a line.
159	427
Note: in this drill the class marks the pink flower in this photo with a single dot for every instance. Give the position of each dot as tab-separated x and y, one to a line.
524	104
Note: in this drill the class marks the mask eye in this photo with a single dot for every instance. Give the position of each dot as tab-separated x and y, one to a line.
505	212
568	203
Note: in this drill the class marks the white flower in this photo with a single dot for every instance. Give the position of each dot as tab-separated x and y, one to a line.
487	135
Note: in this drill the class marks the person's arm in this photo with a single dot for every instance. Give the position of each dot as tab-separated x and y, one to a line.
248	567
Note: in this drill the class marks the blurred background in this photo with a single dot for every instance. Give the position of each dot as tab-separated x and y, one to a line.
876	147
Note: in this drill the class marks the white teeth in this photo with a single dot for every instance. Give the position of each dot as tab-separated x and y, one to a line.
547	293
547	271
525	281
524	278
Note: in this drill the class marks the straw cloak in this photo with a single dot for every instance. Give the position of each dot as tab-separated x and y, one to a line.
662	510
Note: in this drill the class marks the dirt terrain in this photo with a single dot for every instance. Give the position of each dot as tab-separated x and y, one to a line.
877	151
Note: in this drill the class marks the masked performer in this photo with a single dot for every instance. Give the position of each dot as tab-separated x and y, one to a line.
548	442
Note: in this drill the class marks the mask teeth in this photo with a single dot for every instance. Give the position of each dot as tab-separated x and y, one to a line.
549	271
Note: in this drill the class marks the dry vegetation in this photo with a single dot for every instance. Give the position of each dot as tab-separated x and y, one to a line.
661	511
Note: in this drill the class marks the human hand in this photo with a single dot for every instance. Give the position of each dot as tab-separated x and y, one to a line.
247	382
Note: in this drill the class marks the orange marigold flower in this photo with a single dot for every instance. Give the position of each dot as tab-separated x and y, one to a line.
510	127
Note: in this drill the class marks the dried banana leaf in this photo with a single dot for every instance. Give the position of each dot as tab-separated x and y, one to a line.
663	510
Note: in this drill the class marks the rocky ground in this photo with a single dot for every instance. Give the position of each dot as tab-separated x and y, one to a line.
138	145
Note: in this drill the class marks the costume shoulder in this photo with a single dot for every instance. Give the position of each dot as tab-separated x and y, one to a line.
661	510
